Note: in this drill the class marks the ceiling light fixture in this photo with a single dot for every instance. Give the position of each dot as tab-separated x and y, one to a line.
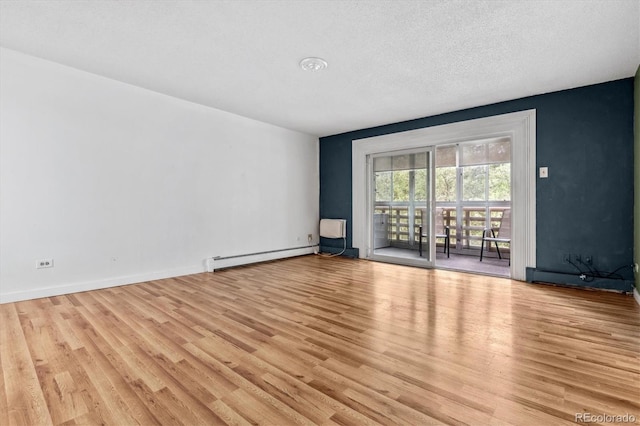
313	64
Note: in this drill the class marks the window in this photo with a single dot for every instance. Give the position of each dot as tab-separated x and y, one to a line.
446	181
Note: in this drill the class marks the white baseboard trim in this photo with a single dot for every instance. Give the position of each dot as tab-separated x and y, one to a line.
59	290
37	293
228	262
636	295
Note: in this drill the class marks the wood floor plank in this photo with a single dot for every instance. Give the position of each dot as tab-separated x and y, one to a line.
326	341
25	399
63	397
227	414
4	407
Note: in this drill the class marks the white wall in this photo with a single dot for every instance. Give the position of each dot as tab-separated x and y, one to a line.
119	184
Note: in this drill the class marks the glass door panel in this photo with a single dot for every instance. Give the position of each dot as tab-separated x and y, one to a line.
473	189
401	187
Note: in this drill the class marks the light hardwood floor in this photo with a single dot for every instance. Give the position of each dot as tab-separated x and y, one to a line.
312	340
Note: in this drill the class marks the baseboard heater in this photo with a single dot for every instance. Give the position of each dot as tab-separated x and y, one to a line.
221	262
534	275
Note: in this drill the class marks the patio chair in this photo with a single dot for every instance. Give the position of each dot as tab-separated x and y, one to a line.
503	235
441	232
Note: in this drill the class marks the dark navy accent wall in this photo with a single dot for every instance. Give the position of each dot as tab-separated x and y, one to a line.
636	153
584	136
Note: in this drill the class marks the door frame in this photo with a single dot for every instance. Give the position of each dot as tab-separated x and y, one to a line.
428	262
519	126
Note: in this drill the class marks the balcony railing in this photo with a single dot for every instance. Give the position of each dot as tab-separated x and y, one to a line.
402	225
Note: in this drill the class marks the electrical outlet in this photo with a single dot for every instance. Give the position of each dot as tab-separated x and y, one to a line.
577	258
587	259
310	237
566	258
44	263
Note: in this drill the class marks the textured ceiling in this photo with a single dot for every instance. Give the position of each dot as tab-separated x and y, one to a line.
389	61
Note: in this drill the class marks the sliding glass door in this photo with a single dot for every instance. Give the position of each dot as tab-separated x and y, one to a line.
401	187
440	197
473	189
